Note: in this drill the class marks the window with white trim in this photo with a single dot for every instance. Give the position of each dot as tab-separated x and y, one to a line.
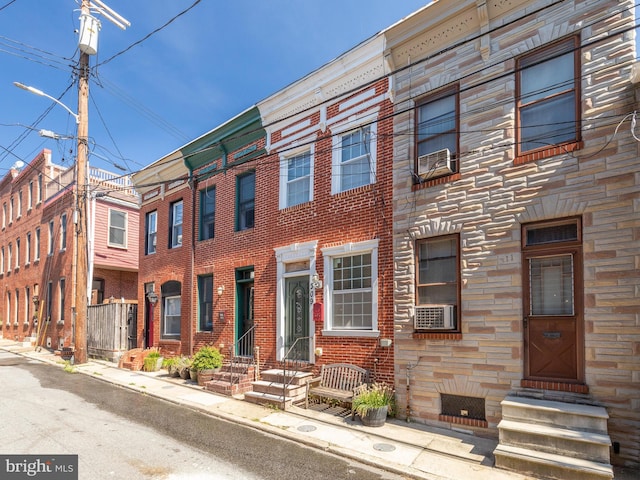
30	196
63	232
171	309
117	228
296	178
50	244
2	260
175	233
151	232
351	289
36	249
354	159
61	299
27	253
17	266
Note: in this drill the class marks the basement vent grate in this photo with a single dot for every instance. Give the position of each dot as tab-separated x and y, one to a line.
463	407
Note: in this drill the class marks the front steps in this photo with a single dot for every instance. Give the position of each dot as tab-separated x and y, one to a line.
231	381
552	439
269	390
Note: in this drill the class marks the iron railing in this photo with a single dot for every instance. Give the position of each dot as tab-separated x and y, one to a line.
297	358
242	354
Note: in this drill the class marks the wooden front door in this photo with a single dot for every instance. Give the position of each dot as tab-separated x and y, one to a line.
553	335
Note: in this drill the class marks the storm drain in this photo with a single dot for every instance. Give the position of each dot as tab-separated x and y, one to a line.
383	447
306	428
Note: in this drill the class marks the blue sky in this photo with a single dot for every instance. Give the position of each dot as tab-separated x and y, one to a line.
204	68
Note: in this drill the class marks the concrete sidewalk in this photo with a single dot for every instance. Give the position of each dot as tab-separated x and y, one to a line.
409	449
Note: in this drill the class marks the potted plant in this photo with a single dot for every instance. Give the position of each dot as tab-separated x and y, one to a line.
152	362
183	365
171	365
206	362
374	403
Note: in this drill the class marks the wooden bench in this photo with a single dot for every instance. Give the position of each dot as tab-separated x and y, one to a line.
338	381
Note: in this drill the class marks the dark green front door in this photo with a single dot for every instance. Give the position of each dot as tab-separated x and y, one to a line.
296	321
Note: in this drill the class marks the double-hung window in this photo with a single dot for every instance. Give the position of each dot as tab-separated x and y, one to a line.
351	279
63	231
548	97
437	283
17	253
117	228
205	303
207	213
50	244
171	309
27	253
175	233
151	226
36	247
61	297
245	201
437	134
296	174
354	159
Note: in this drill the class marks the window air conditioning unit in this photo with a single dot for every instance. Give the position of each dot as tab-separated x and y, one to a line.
434	317
435	164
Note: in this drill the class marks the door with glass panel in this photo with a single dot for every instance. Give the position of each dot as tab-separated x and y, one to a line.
296	318
553	327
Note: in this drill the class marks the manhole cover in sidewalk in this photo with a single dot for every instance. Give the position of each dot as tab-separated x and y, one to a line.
383	447
306	428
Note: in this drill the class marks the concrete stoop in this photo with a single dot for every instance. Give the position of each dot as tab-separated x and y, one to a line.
279	388
553	439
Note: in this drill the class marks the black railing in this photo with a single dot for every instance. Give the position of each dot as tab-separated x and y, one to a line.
296	358
242	354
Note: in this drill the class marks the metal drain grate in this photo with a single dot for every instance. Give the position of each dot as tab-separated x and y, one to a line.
464	407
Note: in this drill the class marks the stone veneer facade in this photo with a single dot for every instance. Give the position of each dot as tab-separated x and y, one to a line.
475	45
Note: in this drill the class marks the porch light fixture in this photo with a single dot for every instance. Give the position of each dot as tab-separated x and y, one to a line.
152	297
220	290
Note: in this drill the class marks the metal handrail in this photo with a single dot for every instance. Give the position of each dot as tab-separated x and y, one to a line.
286	383
247	339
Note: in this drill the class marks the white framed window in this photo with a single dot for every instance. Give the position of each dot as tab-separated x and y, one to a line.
8	307
354	158
17	266
36	247
296	177
27	253
175	234
11	204
171	320
19	214
117	228
9	257
30	196
50	241
63	231
351	289
2	260
27	305
4	215
40	188
151	232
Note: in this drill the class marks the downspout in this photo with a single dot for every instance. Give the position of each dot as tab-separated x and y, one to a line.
193	252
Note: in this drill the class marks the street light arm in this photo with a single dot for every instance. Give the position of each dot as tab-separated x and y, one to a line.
35	91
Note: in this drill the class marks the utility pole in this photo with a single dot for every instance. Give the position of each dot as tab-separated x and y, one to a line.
82	190
88	46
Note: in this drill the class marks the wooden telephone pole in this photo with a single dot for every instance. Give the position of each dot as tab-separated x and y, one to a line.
88	46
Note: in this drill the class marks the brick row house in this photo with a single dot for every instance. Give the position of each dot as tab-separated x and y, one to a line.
449	187
274	229
37	248
516	238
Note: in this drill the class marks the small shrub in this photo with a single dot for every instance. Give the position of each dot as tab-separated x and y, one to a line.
207	358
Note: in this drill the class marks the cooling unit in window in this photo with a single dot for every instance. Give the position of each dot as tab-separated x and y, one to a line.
435	164
434	317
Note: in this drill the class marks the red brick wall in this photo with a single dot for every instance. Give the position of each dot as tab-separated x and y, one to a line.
358	215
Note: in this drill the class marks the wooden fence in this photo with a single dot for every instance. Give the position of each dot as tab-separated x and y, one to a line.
111	329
